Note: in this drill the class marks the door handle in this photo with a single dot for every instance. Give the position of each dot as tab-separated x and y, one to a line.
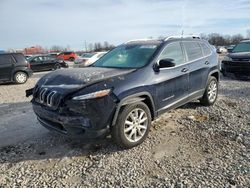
184	70
207	63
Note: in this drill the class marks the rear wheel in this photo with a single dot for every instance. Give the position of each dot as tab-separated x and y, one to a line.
132	125
20	77
57	66
72	59
211	92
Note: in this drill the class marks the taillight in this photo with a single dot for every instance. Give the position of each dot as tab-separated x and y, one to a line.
28	65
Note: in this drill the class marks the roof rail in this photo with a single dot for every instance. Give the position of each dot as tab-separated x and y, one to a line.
182	36
135	40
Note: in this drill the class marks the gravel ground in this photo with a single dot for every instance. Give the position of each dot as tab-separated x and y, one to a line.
192	146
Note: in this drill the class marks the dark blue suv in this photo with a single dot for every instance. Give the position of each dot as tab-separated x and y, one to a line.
127	88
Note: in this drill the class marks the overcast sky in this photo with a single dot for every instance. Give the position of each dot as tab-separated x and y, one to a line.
24	23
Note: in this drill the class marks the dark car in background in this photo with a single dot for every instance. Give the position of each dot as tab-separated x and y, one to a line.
46	62
238	61
14	68
122	92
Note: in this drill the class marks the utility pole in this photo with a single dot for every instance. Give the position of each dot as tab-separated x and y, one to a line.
86	48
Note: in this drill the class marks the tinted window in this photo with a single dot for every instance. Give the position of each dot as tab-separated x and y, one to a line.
193	50
6	59
173	51
242	47
205	48
38	59
19	58
67	53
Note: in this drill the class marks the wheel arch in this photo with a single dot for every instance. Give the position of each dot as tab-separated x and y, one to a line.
16	71
138	97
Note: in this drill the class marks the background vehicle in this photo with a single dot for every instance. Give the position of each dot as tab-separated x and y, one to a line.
14	68
53	54
238	61
88	59
67	56
221	49
27	56
126	89
46	62
230	48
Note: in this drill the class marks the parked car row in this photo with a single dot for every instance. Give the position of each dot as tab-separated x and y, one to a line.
87	59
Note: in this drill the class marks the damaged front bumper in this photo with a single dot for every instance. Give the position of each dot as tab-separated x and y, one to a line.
90	119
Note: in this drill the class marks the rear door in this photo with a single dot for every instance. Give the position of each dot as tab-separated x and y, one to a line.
173	82
37	63
6	67
198	66
49	62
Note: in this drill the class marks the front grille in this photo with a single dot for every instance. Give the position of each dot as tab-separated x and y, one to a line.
47	97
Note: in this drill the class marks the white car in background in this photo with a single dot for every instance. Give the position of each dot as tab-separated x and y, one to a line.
88	59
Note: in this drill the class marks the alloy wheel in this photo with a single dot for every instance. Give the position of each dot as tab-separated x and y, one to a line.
212	91
136	125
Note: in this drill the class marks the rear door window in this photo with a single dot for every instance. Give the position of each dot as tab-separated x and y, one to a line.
173	51
206	49
19	58
6	59
193	50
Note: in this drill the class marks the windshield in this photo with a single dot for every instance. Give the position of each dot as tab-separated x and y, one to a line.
127	56
242	47
88	55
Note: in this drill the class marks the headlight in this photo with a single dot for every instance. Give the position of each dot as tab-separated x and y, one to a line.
226	58
93	95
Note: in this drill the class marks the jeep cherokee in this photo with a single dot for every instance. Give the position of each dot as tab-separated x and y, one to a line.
127	88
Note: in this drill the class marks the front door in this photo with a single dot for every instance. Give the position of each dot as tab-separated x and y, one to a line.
172	83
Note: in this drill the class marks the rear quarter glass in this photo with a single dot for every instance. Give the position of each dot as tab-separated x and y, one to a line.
19	58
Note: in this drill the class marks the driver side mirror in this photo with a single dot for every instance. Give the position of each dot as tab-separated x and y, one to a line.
164	63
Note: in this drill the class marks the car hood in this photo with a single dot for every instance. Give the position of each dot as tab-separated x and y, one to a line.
240	55
79	77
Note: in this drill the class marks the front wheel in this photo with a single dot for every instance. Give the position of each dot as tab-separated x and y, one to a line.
132	125
20	77
211	92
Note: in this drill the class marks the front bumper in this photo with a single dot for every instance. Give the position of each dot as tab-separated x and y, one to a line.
72	125
88	118
236	67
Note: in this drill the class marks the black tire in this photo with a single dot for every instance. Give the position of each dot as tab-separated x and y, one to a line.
20	77
57	66
72	59
118	131
209	97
